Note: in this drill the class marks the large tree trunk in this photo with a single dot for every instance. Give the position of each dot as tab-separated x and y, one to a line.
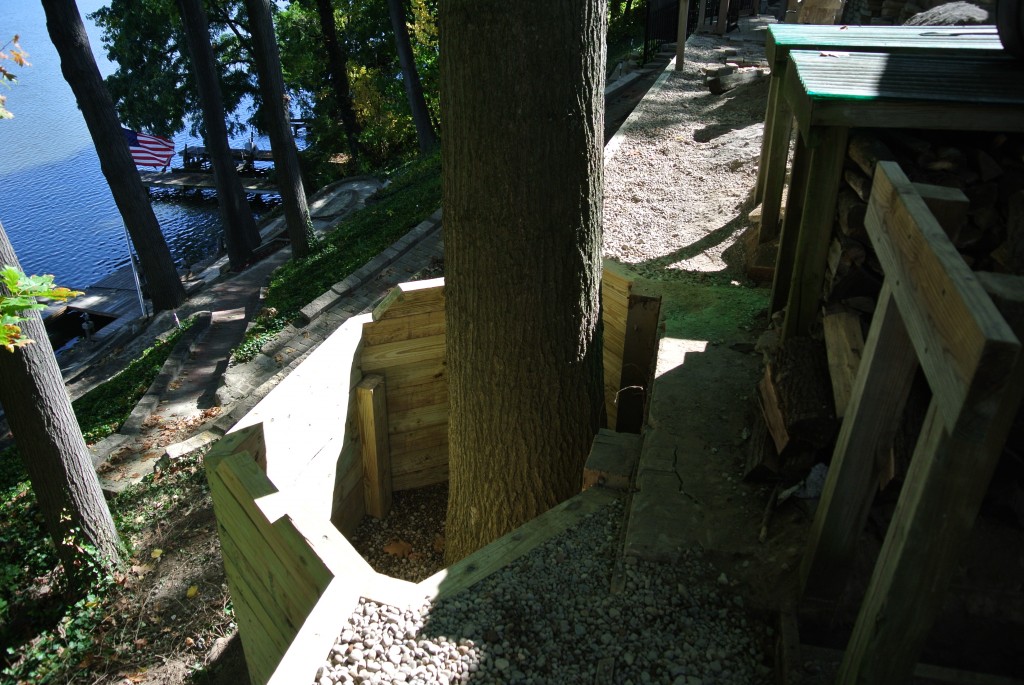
78	65
337	75
240	230
51	446
522	167
411	78
277	111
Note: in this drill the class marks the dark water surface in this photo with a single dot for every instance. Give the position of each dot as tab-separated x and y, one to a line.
54	202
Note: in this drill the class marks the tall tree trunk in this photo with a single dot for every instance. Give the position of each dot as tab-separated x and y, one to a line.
337	75
240	229
411	78
522	182
64	24
51	445
277	110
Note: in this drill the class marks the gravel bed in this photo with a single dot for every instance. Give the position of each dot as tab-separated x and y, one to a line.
570	611
677	179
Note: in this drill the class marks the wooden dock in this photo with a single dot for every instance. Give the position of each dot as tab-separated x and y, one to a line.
113	296
184	180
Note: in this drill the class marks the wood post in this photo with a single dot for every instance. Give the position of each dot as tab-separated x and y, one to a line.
371	405
684	15
723	12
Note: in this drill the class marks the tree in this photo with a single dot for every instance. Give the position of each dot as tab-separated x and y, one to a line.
522	99
277	111
152	86
240	231
51	445
337	75
64	24
411	78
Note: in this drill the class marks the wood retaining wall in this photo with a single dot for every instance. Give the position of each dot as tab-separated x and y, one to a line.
366	414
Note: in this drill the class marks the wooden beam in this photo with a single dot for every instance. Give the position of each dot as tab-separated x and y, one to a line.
825	168
872	417
411	298
371	402
951	321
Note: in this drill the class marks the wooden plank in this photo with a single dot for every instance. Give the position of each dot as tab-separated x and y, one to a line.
510	547
406	299
371	406
316	637
265	647
894	91
951	321
183	180
423	371
421	417
612	460
876	404
240	477
419	438
404	352
388	330
825	168
771	176
404	397
417	469
844	343
789	235
287	594
639	354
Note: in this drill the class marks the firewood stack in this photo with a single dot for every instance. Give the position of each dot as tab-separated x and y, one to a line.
974	185
976	191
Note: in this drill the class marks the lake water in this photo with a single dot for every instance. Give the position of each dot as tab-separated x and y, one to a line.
54	201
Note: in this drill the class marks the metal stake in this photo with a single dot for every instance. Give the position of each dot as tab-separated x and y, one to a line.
135	273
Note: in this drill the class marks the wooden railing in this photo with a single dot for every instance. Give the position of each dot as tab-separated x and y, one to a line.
962	330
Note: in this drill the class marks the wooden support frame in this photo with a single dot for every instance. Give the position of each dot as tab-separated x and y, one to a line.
372	410
934	306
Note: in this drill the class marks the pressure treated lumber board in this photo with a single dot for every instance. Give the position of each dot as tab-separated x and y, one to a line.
371	407
406	299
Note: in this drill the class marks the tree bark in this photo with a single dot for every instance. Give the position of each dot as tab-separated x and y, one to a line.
278	113
411	78
240	231
64	24
522	92
337	74
51	446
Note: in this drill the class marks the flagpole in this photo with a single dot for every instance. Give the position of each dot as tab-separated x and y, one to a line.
135	274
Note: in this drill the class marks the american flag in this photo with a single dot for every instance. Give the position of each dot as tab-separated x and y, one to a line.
149	150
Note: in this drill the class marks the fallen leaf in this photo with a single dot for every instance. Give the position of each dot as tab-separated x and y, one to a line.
438	543
189	642
398	548
156	553
192	591
141	642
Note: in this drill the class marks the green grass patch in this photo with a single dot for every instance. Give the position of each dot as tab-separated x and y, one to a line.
413	195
